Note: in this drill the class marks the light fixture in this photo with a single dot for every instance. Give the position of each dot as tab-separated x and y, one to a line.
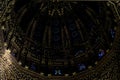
74	73
19	63
96	62
66	75
7	51
3	27
5	44
89	67
26	67
42	74
49	75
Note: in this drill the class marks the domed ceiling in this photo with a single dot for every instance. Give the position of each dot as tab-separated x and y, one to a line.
60	37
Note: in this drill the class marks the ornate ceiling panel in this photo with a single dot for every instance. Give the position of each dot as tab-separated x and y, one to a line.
59	37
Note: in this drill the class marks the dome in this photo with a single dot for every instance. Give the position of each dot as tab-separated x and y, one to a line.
61	37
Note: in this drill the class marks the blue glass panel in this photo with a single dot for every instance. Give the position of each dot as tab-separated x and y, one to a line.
33	67
101	53
57	72
81	66
112	33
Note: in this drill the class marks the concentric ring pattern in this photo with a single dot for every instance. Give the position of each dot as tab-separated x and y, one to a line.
62	37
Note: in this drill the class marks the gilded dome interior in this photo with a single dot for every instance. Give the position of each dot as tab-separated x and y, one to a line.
61	37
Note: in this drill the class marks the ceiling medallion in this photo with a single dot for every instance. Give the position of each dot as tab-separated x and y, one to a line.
56	7
64	37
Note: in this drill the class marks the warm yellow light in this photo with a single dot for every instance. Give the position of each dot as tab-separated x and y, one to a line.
9	61
115	28
49	75
74	73
96	62
66	74
19	63
107	50
42	73
7	51
5	44
3	28
7	58
26	67
89	67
